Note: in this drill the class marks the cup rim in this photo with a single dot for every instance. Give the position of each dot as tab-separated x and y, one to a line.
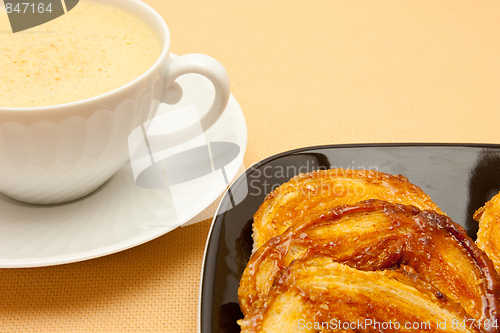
95	99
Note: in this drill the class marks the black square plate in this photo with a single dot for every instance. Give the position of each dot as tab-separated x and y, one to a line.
460	178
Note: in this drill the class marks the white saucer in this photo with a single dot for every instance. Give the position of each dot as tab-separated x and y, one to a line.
120	215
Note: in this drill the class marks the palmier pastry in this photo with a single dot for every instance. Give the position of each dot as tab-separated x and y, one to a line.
488	236
374	235
318	191
319	295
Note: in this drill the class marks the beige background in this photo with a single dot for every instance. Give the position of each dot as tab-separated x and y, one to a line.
305	73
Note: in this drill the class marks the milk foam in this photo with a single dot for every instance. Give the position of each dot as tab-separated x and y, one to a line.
90	50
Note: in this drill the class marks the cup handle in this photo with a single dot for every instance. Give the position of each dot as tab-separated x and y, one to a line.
208	67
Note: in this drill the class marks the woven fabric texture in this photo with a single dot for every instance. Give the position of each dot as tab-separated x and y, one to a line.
305	73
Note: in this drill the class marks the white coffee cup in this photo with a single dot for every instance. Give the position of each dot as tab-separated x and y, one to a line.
60	153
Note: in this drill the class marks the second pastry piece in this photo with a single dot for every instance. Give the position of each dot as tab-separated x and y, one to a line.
373	235
488	236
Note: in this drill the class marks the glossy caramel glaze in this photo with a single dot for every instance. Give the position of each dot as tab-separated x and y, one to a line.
319	191
488	236
332	296
373	235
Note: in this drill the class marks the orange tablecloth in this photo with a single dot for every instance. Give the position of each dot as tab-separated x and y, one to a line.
305	73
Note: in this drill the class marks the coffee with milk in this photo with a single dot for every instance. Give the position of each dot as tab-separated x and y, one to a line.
93	49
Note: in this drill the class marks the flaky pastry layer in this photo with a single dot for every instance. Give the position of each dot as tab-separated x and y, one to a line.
319	295
374	235
319	191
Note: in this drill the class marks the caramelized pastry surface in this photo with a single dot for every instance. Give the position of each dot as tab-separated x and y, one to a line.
318	191
319	295
374	235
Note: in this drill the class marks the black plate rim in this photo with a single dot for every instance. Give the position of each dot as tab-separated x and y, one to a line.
255	166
